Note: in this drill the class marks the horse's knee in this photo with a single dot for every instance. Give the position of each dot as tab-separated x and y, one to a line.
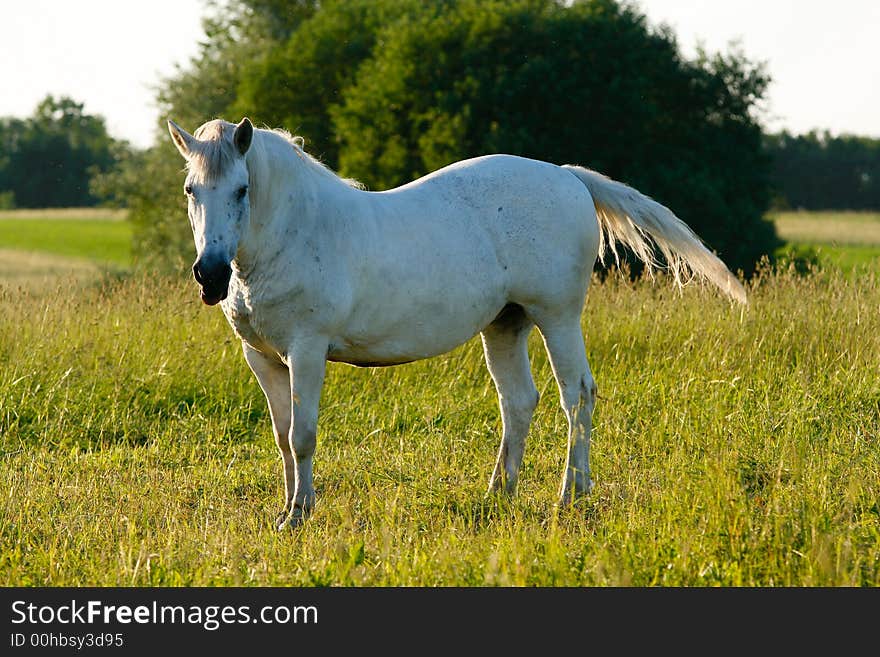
304	441
520	407
581	396
529	401
282	440
591	390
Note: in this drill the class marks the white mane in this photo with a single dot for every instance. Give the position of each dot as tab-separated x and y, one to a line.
214	152
314	163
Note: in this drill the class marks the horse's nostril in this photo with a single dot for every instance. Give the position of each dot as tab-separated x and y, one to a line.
211	273
197	273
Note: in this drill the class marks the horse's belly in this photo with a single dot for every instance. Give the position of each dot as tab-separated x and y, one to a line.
389	352
427	330
392	351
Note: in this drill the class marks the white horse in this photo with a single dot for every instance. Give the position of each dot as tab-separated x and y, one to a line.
309	268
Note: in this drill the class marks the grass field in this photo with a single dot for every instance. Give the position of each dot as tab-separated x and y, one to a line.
841	239
731	447
97	235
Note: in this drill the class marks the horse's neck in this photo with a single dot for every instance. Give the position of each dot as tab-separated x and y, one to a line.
292	208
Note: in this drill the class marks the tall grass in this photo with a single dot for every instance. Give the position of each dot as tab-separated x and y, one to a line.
731	447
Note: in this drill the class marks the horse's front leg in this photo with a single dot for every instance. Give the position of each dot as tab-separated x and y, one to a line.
274	379
308	362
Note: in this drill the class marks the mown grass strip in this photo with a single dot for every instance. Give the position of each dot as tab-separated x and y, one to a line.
102	241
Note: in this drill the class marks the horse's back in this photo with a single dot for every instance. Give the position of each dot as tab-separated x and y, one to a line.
539	218
479	181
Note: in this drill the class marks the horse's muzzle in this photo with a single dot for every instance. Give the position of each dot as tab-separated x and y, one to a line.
213	276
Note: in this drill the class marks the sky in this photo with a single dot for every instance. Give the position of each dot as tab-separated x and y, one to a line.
107	54
823	57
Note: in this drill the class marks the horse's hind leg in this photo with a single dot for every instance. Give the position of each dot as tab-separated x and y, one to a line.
577	389
505	344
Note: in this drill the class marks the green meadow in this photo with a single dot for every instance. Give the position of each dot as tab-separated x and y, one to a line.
98	235
731	446
843	240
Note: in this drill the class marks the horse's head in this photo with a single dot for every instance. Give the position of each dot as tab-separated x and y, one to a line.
216	188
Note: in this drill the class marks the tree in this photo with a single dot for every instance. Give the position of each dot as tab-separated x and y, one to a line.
50	158
296	83
589	84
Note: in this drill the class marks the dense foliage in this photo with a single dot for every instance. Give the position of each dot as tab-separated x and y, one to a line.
387	90
49	158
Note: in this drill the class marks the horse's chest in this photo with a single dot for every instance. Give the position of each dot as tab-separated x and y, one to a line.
256	326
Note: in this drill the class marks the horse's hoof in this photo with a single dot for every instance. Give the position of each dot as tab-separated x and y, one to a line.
571	498
289	522
297	516
502	486
281	520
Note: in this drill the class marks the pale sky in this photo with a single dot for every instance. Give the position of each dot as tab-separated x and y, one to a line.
824	57
107	54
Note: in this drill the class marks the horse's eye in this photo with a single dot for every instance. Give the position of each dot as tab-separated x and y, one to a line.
241	192
188	190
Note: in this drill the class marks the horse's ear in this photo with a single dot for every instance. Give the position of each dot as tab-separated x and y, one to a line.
244	133
181	138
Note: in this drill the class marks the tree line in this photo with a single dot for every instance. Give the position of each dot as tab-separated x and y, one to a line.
816	171
387	90
50	158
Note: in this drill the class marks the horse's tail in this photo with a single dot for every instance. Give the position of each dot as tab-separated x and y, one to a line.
628	216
